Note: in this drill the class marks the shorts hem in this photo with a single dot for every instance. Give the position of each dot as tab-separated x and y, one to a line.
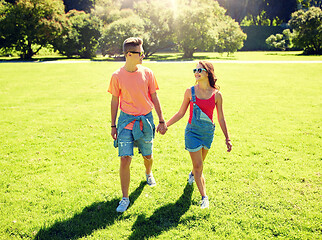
126	155
146	155
196	149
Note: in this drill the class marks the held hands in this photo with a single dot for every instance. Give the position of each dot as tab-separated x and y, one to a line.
229	145
162	128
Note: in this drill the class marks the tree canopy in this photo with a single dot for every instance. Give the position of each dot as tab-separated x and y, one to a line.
28	25
80	35
158	22
82	27
204	26
307	27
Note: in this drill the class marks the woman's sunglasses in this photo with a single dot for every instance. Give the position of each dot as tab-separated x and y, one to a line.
199	70
140	53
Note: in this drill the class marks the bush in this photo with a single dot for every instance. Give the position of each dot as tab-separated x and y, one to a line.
280	41
307	29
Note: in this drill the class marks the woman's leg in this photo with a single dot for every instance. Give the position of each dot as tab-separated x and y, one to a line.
197	163
204	153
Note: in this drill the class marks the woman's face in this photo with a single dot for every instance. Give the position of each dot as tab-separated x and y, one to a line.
200	73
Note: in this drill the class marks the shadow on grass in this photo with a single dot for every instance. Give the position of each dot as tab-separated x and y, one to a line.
34	59
96	216
162	219
287	54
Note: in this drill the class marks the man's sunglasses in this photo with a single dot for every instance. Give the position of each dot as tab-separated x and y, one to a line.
140	53
199	70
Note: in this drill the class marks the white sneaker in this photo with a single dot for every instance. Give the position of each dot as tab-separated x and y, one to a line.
191	178
150	180
204	202
123	205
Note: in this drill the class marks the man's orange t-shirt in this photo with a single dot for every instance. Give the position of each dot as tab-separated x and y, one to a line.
134	90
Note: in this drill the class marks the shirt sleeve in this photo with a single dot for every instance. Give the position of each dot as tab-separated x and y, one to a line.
153	84
114	86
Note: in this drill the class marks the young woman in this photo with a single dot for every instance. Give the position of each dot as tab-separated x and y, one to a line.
203	98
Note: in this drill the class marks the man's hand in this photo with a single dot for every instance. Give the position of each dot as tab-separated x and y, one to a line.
114	133
162	128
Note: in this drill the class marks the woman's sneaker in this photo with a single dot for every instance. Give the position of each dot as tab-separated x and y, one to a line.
123	205
191	178
204	202
150	180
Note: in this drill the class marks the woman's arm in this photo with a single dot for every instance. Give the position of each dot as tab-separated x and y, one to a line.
182	111
221	120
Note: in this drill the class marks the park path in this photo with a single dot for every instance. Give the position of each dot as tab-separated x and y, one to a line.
213	61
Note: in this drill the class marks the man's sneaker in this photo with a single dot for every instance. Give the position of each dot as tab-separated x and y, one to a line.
123	205
191	178
150	180
204	202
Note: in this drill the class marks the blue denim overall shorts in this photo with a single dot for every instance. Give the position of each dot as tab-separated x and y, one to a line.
200	133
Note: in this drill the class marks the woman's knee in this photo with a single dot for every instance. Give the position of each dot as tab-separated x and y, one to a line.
198	167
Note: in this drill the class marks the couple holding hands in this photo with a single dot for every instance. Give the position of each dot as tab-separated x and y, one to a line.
133	88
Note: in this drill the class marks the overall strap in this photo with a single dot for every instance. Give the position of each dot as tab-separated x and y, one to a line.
193	94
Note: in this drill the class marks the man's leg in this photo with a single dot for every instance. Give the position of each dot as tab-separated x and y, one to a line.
148	161
125	175
126	153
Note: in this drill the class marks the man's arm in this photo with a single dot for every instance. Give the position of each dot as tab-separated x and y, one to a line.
162	127
114	109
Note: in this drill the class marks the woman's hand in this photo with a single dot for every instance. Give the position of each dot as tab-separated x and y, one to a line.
229	145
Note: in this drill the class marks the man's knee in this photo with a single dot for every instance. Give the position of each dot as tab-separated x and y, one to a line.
126	161
148	158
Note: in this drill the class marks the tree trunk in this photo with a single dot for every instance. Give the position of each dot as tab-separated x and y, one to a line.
28	53
188	53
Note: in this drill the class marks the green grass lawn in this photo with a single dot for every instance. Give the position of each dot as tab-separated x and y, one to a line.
59	170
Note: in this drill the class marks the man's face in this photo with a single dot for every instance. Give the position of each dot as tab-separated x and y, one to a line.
136	55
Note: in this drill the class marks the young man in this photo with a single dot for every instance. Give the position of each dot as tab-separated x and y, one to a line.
133	87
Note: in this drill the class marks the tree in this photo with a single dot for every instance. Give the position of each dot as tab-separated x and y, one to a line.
203	26
158	25
236	9
108	11
80	5
280	11
307	29
310	3
114	34
316	3
261	12
29	25
230	37
81	36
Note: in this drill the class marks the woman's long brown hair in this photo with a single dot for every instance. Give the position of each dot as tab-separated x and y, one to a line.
211	74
